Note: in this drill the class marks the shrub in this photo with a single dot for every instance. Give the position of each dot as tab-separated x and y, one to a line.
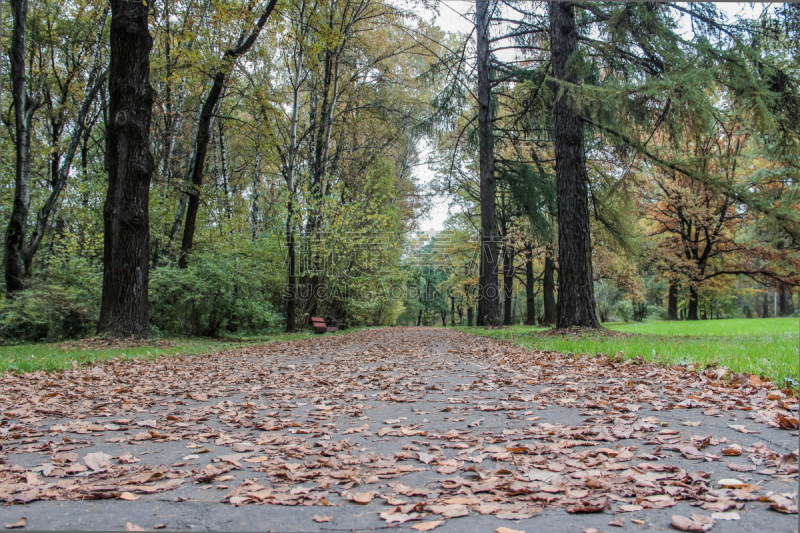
216	290
63	301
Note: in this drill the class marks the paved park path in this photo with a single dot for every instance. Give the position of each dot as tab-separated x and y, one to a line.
396	428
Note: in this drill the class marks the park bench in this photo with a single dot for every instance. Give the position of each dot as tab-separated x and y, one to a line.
318	325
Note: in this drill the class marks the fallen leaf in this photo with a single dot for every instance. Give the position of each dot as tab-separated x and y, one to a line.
687	524
782	504
502	529
619	522
22	522
630	508
132	527
395	517
359	497
731	483
97	461
730	515
427	526
129	496
321	518
586	506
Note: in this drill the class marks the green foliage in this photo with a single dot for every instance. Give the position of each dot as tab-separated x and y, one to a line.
216	290
63	301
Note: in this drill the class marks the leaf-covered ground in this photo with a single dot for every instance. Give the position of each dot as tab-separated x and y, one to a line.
417	428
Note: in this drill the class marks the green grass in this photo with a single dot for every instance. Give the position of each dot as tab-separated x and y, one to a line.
735	327
767	347
58	356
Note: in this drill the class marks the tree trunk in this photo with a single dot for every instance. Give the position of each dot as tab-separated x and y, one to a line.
204	131
672	302
291	303
508	285
14	253
489	296
126	243
470	316
548	290
692	304
765	304
530	294
784	301
452	311
575	283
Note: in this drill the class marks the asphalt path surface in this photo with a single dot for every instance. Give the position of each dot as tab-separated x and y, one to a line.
360	412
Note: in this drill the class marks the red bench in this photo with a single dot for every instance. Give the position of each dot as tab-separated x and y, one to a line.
318	325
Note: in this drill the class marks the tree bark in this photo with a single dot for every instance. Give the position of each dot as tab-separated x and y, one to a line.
548	289
672	302
126	244
693	297
575	283
204	131
14	257
508	285
784	301
489	295
530	294
470	316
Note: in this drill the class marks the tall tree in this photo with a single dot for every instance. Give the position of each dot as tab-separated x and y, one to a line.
24	106
489	302
575	280
21	247
204	128
126	244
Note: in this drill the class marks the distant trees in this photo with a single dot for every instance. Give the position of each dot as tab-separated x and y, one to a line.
262	158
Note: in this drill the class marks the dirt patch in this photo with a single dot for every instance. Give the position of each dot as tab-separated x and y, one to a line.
578	332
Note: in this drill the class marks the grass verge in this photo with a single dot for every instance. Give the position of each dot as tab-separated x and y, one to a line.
766	347
58	356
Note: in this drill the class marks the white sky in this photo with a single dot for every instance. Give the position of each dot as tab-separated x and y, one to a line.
453	17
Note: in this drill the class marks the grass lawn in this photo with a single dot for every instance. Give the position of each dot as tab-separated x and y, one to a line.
57	356
767	347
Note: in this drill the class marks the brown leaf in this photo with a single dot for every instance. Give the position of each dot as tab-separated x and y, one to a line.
787	422
618	522
782	504
97	461
359	497
630	508
509	530
589	506
687	524
128	496
128	458
740	468
392	517
322	518
427	526
132	527
22	522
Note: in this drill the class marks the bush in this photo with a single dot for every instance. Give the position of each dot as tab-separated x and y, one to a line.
63	301
625	310
216	290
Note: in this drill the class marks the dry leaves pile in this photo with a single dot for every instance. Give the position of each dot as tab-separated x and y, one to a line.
296	417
